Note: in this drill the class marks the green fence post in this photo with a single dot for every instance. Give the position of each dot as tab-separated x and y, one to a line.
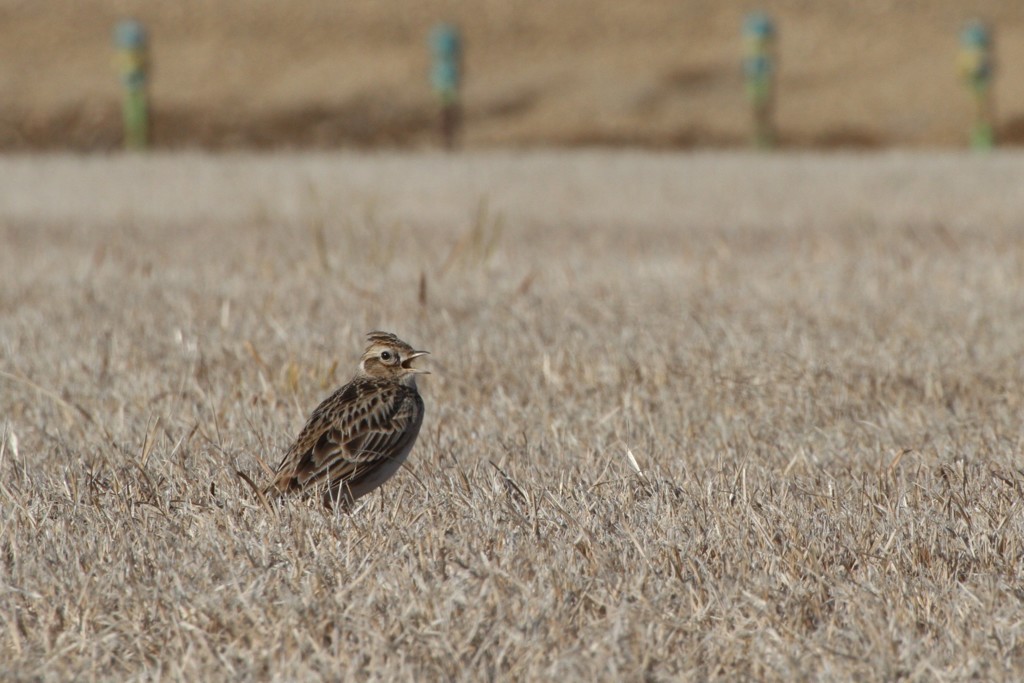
976	67
133	63
446	76
759	70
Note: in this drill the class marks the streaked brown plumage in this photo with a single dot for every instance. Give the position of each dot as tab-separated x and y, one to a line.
362	433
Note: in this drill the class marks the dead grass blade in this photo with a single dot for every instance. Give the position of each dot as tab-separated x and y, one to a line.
256	492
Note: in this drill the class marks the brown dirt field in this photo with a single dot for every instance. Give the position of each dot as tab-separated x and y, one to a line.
657	73
816	361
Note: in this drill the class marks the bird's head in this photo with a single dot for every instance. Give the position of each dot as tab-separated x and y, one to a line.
388	356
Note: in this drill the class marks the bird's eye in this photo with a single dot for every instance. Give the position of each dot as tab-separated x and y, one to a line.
386	356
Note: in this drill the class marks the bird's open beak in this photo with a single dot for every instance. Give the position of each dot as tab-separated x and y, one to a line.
413	356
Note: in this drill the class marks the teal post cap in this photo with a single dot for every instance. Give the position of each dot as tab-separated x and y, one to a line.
975	61
759	32
446	44
976	35
130	34
131	40
759	25
446	41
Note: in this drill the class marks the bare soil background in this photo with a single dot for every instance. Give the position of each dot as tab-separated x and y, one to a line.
657	73
816	362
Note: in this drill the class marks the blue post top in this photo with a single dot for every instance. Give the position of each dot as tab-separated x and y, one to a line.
445	41
130	34
758	36
759	25
976	35
446	44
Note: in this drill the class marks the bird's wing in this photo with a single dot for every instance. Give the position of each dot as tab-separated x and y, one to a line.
349	434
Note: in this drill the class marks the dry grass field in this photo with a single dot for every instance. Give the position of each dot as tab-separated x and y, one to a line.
816	362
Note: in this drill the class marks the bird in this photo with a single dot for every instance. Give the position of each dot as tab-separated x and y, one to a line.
359	436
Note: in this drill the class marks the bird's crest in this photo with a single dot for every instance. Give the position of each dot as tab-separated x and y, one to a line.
378	337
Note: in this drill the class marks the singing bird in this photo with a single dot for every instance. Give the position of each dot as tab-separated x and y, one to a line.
362	433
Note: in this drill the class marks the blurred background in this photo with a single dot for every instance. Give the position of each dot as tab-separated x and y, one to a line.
323	74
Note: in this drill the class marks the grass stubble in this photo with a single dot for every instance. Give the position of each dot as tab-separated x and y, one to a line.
691	418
